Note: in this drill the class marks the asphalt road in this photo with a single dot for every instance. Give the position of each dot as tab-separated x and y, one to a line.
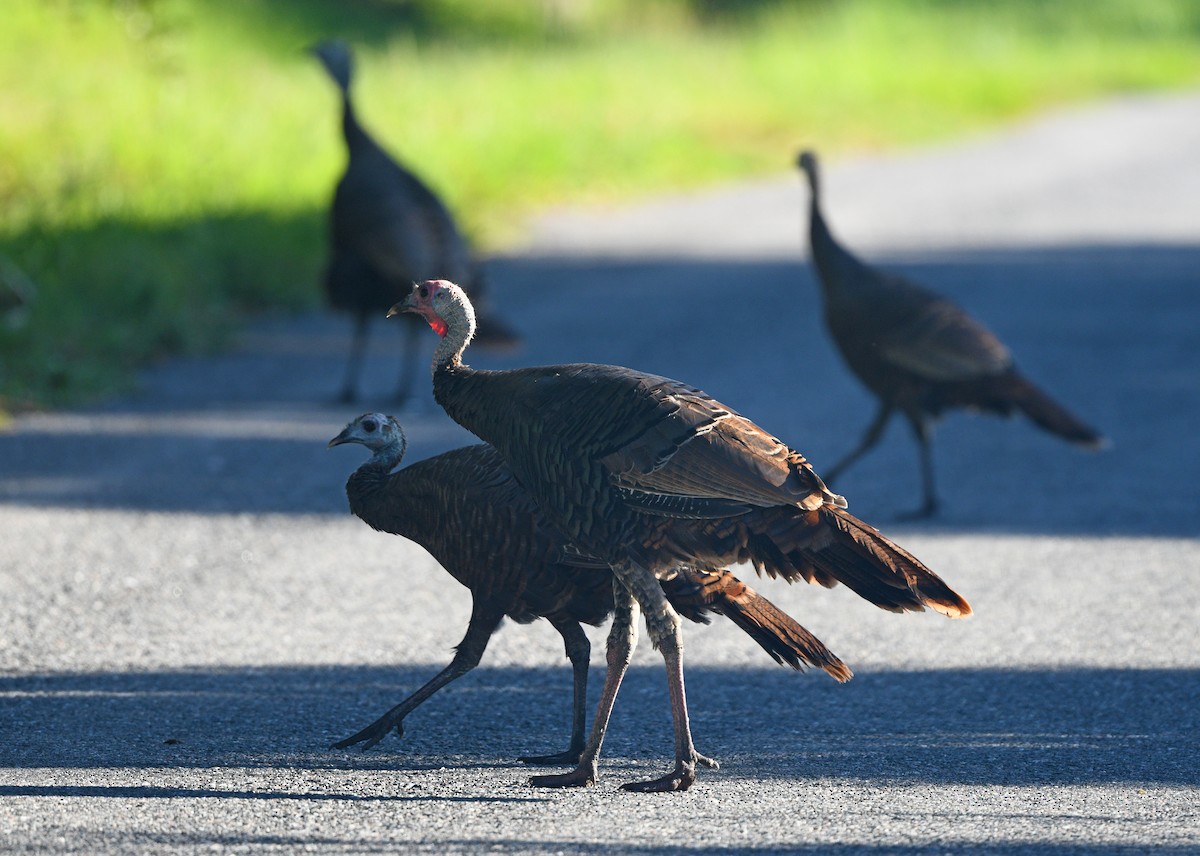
188	615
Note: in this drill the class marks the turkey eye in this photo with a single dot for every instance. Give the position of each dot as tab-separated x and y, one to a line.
423	291
369	426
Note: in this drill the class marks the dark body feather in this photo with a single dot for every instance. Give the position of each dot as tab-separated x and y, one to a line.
672	476
387	229
918	352
474	518
466	509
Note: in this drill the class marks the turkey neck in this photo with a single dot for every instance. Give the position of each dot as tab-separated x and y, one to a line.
480	401
835	265
368	488
826	252
356	137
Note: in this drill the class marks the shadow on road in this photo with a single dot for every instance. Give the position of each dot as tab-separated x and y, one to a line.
150	793
1110	331
835	849
974	726
141	842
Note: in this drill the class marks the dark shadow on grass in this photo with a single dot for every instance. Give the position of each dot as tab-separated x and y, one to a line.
1110	331
957	727
118	295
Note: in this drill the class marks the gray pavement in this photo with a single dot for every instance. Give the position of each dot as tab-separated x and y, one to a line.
188	615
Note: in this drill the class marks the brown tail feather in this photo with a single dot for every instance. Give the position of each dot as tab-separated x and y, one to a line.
1048	414
694	592
831	546
890	567
887	592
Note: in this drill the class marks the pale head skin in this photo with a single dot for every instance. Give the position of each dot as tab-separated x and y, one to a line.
378	432
447	310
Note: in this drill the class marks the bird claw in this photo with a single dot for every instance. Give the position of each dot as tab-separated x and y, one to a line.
558	759
679	779
372	734
583	776
705	761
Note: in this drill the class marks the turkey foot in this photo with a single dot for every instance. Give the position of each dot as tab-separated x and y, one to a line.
679	779
583	776
372	734
558	759
705	761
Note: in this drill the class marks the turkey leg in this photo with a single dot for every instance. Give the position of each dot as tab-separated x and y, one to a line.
579	650
923	434
622	637
870	438
663	626
358	346
634	585
485	618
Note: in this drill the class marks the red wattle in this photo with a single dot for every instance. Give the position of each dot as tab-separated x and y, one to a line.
439	326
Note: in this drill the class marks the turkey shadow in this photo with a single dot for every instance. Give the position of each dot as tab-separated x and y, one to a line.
958	726
1110	331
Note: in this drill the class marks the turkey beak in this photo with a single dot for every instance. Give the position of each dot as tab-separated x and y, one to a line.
405	305
344	437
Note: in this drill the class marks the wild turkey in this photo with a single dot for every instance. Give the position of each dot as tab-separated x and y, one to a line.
646	473
388	230
467	510
918	352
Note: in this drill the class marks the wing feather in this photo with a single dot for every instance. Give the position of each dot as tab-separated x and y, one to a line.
941	342
694	447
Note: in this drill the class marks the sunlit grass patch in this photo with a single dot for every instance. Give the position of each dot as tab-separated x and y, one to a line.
166	163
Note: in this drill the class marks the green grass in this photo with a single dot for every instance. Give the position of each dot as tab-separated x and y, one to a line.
165	164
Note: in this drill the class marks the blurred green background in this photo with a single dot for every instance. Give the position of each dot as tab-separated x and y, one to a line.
165	165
